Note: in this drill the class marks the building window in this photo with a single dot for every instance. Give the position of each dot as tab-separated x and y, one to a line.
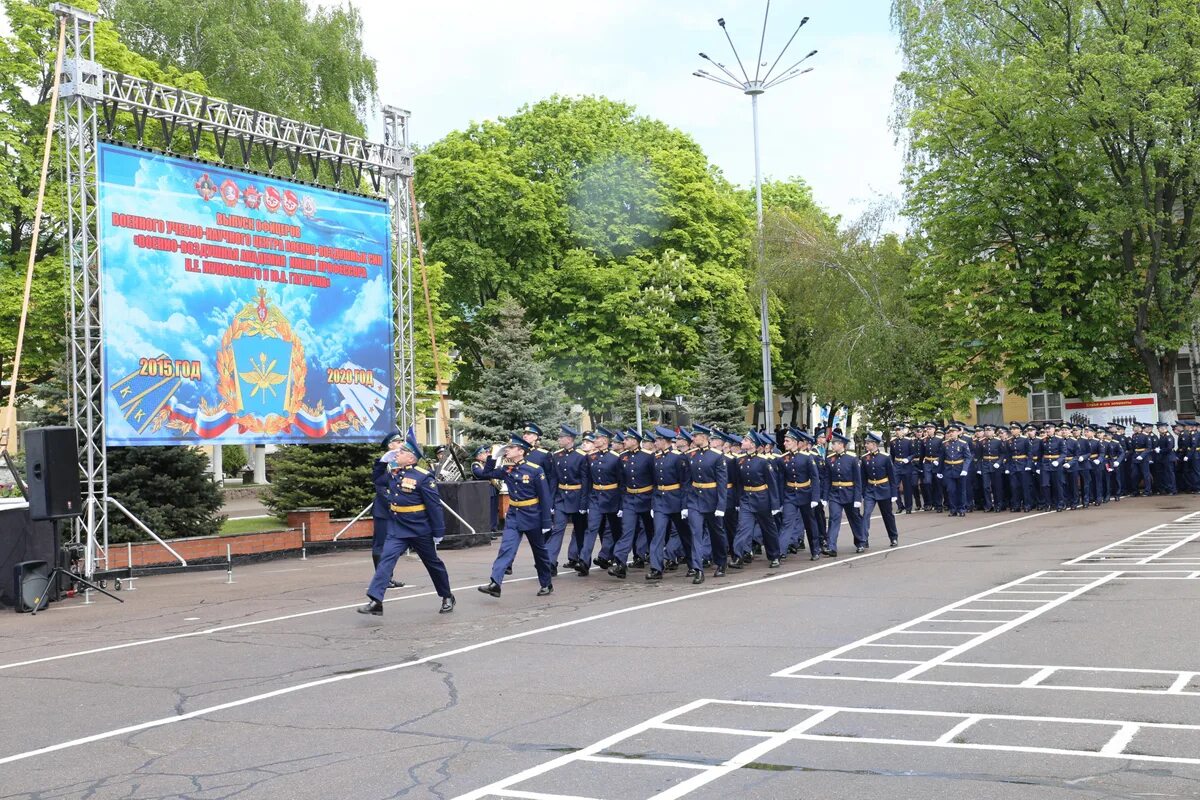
1043	404
433	434
456	434
1185	392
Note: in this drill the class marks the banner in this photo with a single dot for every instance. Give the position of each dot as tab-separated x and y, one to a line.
1118	408
240	309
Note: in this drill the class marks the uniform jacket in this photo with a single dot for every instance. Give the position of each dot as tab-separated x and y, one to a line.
572	481
529	498
845	479
709	474
879	476
904	452
672	481
1052	454
637	470
802	478
931	454
414	503
956	458
604	476
541	456
758	484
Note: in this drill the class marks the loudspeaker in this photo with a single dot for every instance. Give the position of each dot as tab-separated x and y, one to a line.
31	583
52	472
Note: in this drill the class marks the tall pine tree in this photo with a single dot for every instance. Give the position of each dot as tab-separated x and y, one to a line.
720	398
514	386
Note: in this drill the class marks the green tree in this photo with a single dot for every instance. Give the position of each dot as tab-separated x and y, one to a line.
333	476
170	489
1053	154
514	387
280	56
611	229
719	397
233	459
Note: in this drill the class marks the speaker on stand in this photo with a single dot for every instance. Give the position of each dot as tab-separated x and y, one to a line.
52	474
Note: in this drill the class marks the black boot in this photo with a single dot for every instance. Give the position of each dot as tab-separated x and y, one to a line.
618	571
373	607
654	575
699	577
492	588
395	584
447	605
545	590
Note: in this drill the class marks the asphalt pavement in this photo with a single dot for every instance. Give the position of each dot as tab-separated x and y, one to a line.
994	656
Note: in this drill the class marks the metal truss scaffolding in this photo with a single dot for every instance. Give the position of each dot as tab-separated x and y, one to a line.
96	100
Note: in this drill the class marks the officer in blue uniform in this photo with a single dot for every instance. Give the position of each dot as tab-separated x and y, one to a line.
532	435
671	486
931	458
604	504
1052	469
708	492
381	515
802	488
879	488
529	504
904	451
760	502
571	491
416	521
637	482
1141	456
478	465
1020	470
1165	458
992	470
843	492
955	469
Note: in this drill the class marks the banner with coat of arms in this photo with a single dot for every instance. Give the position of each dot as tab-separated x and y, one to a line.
240	309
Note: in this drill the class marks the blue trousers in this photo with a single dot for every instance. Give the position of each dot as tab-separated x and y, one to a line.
509	541
558	530
750	519
955	485
885	511
835	523
396	546
1141	471
1052	489
798	521
629	529
606	527
904	475
378	538
663	524
1168	477
707	532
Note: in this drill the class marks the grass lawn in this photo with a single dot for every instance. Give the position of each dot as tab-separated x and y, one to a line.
253	525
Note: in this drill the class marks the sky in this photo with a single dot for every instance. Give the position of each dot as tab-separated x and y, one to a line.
454	62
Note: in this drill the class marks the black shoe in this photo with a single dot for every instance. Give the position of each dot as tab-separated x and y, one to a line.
670	566
800	547
581	569
831	553
815	557
757	550
639	562
508	570
699	578
792	549
719	572
654	575
618	571
691	572
554	570
492	588
894	542
395	584
859	549
545	590
748	558
602	563
735	564
775	563
373	607
447	605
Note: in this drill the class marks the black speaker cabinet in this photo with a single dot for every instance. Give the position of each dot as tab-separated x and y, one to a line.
31	582
52	472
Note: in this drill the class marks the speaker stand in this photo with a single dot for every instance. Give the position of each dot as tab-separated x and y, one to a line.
75	577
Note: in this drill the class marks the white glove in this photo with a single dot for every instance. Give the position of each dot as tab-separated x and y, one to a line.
389	457
1054	463
652	513
620	514
995	466
1157	450
964	473
939	476
1185	458
1038	471
683	514
545	531
583	511
894	499
1139	458
814	504
777	511
718	513
1116	463
1006	472
1028	468
438	541
857	504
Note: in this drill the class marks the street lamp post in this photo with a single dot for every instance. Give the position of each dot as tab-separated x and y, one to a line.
650	390
754	87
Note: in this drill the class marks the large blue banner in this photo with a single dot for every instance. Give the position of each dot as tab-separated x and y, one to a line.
238	308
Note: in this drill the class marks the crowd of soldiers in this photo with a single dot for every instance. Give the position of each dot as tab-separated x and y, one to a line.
701	498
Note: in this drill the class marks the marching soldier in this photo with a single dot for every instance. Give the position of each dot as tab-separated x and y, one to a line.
1142	451
955	469
381	515
1020	469
637	471
802	488
904	450
604	504
843	492
706	504
416	521
760	502
879	488
671	489
478	465
821	454
532	435
570	498
1052	463
992	470
931	479
529	505
1164	450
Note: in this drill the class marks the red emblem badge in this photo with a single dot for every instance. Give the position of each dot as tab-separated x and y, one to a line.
273	200
205	187
290	202
251	197
230	192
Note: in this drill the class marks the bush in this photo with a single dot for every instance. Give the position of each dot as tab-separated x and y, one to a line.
233	460
170	489
334	476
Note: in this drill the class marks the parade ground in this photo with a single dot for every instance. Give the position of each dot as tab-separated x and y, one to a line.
999	656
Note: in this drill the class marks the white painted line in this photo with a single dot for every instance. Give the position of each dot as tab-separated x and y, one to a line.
230	627
591	750
675	726
743	758
645	762
938	633
1181	682
927	646
1112	546
200	712
1120	740
1039	676
541	795
875	661
982	685
949	735
1007	626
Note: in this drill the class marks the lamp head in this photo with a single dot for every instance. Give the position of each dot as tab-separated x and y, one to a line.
721	21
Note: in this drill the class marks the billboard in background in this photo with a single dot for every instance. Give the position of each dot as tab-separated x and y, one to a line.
1118	408
239	309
